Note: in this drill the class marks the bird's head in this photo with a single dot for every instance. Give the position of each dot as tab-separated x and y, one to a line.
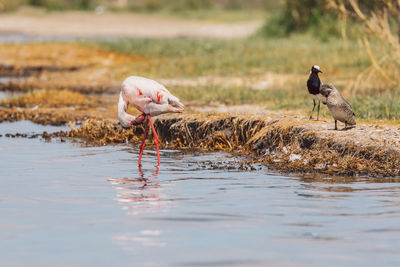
315	69
326	89
126	120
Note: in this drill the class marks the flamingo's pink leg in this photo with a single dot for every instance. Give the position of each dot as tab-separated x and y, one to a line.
146	128
155	140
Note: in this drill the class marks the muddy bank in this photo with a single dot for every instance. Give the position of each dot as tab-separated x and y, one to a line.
288	144
284	143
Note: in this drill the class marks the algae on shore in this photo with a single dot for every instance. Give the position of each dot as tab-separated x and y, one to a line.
288	143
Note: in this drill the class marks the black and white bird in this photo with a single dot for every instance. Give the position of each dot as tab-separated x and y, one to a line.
313	85
338	106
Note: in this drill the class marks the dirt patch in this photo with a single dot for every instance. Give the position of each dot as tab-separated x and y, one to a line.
117	25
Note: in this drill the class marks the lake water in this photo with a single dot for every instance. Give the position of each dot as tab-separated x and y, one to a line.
62	203
8	94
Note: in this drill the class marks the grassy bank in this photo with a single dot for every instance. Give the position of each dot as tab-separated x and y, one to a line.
342	63
265	72
183	57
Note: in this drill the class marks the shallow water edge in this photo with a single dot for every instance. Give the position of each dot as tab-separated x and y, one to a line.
283	145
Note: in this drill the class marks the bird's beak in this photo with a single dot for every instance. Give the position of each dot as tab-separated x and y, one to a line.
320	71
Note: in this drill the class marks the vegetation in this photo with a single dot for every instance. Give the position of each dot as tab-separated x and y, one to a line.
325	18
231	69
52	98
341	63
300	16
9	5
191	58
176	6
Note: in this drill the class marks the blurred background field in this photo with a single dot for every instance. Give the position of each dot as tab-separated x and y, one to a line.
265	65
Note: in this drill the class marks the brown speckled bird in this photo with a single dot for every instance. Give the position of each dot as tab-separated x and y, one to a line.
338	106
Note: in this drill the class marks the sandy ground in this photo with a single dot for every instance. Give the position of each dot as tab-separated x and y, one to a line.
117	25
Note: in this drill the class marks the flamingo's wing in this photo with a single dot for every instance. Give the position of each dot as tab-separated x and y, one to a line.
151	95
157	92
146	88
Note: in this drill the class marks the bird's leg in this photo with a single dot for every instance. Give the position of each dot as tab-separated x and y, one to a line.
139	119
155	139
335	124
312	109
319	104
146	128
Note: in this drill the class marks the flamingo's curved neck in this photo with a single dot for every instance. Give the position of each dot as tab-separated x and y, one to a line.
124	118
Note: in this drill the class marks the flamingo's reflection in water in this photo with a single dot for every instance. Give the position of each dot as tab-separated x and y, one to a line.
139	195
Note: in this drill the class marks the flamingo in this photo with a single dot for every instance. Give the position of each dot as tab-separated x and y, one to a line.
149	97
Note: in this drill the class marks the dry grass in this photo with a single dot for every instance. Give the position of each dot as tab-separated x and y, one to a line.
56	55
51	98
105	132
380	41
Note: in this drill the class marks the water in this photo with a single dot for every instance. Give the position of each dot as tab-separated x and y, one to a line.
8	79
4	95
65	204
9	94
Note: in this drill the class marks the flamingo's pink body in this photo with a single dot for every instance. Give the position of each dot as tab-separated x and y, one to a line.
149	97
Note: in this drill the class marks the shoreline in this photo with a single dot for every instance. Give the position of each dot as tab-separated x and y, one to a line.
284	143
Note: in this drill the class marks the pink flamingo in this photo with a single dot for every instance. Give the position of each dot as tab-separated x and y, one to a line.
150	98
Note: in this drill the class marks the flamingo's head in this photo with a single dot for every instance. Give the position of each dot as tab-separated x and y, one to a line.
126	120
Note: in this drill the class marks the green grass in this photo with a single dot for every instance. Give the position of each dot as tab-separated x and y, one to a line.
193	58
241	95
385	107
188	58
206	10
218	15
